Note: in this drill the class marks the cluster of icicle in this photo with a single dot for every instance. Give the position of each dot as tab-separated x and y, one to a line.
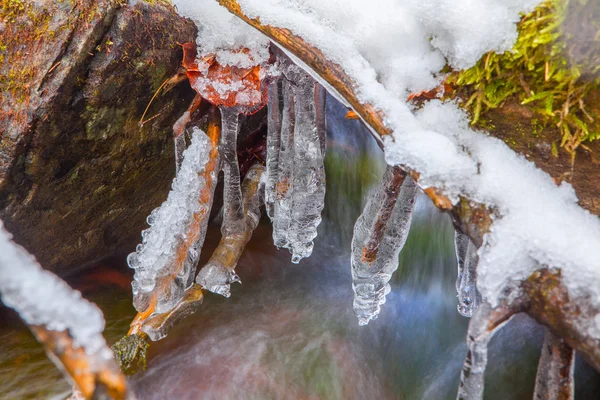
43	299
293	190
296	141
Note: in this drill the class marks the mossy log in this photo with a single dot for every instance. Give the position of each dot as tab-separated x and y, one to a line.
545	297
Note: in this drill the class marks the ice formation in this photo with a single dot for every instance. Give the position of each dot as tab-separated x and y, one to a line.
273	146
299	194
284	188
466	282
41	298
219	272
166	259
379	236
233	212
390	48
309	172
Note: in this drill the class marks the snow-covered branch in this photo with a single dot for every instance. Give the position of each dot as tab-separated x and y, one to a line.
536	224
69	327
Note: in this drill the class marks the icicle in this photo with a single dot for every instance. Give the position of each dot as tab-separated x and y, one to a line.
320	98
308	184
69	327
379	235
166	260
284	189
233	213
466	282
273	146
219	272
554	379
485	323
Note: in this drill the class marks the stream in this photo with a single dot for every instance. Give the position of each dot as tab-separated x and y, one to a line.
289	331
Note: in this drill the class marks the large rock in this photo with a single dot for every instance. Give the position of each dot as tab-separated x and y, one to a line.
78	174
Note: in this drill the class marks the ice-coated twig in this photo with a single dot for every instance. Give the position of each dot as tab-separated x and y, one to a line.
284	189
378	211
69	327
469	297
486	321
233	213
166	260
308	184
218	274
273	146
379	236
554	379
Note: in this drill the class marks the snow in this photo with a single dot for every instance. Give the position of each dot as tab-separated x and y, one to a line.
386	48
41	298
221	33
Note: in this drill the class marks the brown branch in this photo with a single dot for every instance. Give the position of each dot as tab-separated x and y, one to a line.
569	317
94	375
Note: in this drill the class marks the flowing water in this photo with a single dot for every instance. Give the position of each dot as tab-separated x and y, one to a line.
289	331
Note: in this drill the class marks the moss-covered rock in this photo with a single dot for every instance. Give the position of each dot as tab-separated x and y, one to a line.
78	174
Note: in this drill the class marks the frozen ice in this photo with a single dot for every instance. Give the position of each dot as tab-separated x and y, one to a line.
273	146
308	183
41	298
466	282
233	212
219	272
382	230
284	188
165	261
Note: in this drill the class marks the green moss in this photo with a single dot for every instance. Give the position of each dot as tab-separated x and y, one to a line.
548	70
130	352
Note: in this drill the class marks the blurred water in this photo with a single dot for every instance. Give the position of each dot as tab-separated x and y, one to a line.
289	332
